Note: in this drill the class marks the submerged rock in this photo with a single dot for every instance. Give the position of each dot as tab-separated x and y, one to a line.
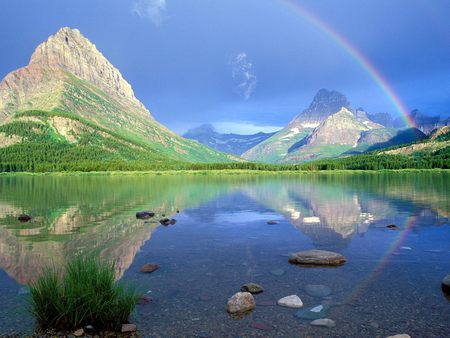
392	226
173	221
89	329
446	284
164	221
316	312
272	222
277	272
403	335
316	257
241	302
128	328
324	322
24	218
252	288
144	214
148	268
317	290
292	301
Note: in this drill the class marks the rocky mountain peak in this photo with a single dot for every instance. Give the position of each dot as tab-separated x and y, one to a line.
325	103
70	50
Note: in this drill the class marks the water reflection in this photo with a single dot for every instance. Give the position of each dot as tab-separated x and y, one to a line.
95	214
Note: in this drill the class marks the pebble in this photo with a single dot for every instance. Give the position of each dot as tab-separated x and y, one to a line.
277	272
272	222
78	333
400	336
292	301
317	290
261	326
324	322
128	328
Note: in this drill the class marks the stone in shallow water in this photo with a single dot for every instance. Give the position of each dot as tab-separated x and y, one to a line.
272	222
292	301
324	322
241	302
317	290
277	272
78	333
316	257
148	268
316	312
446	284
400	336
252	288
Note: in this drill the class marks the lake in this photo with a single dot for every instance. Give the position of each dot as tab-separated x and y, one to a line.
390	283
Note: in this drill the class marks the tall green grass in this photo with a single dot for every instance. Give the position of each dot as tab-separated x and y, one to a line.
83	293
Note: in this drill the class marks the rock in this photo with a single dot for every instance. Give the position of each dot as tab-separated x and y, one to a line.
144	214
317	290
272	222
316	257
392	226
241	302
325	322
24	218
89	329
400	336
316	312
446	284
163	215
164	221
78	333
261	326
173	221
148	268
128	328
178	211
277	272
252	288
292	301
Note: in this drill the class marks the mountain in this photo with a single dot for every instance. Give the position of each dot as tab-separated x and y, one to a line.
74	100
329	127
235	144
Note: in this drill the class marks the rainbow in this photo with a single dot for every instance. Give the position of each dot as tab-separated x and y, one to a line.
356	55
373	276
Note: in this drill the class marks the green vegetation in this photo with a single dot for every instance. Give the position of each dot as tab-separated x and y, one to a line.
85	294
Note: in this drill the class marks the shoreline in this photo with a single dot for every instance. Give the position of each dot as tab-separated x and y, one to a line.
221	172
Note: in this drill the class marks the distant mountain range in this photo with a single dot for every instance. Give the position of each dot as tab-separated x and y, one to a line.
70	106
228	143
71	109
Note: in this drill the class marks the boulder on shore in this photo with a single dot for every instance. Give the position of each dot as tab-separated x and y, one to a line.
144	214
241	302
317	257
24	218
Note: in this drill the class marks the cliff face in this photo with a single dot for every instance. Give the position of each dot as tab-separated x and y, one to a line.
71	51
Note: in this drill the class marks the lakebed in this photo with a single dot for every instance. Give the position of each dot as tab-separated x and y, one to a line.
390	283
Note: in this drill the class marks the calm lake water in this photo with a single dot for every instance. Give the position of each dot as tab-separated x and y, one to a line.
389	285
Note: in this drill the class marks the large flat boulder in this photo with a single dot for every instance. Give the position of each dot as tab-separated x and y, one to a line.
317	257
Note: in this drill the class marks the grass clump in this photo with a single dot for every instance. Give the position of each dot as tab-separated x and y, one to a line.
83	293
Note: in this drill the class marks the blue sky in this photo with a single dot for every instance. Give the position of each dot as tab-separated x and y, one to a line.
249	65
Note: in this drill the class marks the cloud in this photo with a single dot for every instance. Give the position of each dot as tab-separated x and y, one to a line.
150	9
244	127
242	71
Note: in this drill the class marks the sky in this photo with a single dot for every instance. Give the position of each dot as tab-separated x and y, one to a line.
251	65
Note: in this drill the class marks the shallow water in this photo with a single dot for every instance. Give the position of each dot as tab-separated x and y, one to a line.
390	283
